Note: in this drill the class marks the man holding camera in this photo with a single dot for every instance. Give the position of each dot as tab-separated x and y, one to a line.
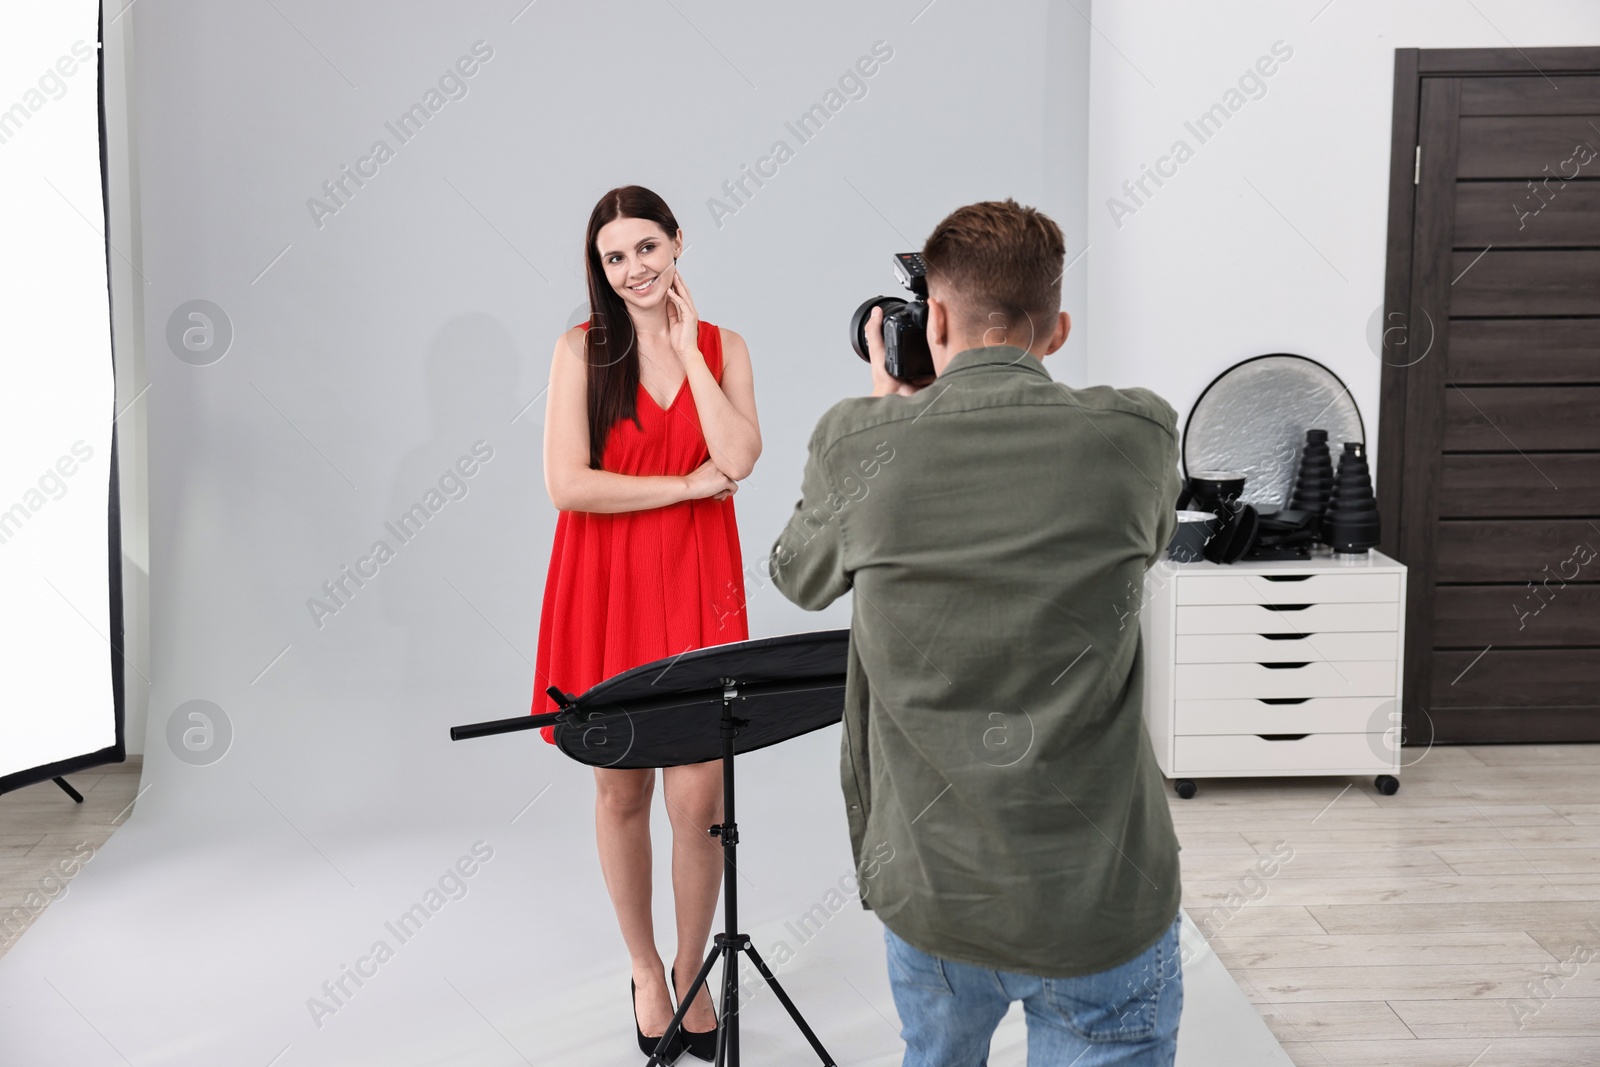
994	527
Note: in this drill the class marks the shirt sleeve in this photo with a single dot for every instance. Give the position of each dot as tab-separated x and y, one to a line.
807	560
1170	485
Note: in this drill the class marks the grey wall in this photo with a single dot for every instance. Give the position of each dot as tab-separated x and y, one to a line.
371	351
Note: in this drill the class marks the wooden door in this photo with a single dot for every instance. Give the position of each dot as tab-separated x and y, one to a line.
1489	446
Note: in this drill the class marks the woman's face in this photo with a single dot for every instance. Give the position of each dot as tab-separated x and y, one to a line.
638	259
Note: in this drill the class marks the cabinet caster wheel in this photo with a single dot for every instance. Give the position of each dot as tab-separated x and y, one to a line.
1185	788
1387	784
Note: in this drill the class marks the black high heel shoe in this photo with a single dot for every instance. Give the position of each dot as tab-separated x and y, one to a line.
702	1043
648	1045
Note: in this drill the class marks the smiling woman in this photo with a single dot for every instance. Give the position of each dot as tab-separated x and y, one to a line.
651	424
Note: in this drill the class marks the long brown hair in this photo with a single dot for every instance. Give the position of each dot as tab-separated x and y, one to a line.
609	347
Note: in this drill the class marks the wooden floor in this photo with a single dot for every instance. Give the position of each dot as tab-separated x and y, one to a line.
42	833
1455	924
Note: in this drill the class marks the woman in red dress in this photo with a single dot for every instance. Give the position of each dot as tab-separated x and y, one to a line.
650	426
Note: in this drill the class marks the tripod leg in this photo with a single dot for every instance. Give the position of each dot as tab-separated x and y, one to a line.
728	1023
683	1008
794	1012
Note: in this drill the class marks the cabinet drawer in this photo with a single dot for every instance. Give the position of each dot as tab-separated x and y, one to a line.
1286	619
1256	648
1350	678
1316	715
1225	754
1286	589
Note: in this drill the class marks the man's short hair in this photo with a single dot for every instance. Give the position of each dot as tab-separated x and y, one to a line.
998	264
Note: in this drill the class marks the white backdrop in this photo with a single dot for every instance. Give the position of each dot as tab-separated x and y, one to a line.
313	374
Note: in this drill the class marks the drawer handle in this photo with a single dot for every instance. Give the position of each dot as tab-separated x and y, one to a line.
1282	737
1283	607
1283	700
1284	637
1285	666
1285	577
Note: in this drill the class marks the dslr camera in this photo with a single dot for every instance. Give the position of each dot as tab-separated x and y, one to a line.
905	322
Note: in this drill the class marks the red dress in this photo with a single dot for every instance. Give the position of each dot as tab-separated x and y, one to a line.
630	587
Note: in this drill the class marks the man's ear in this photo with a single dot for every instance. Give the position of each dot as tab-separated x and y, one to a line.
938	322
1059	336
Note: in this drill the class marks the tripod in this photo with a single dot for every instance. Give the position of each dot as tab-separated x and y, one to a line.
793	686
728	944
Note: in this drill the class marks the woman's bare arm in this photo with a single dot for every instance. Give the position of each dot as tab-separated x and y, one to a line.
728	411
568	478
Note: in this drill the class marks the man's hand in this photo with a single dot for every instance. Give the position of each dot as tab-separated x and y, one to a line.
883	384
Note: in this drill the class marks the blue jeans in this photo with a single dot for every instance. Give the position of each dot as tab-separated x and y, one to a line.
1126	1016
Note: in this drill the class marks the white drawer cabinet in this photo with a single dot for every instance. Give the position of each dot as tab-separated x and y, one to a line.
1275	667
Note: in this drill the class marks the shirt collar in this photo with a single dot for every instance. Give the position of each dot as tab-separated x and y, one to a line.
1002	357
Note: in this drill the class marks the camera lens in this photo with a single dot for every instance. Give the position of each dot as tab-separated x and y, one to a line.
858	321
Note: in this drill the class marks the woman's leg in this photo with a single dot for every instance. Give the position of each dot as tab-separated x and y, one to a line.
694	804
622	831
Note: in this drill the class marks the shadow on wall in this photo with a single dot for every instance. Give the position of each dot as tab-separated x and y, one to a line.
467	533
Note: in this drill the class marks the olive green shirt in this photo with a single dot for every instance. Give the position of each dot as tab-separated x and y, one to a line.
1005	806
